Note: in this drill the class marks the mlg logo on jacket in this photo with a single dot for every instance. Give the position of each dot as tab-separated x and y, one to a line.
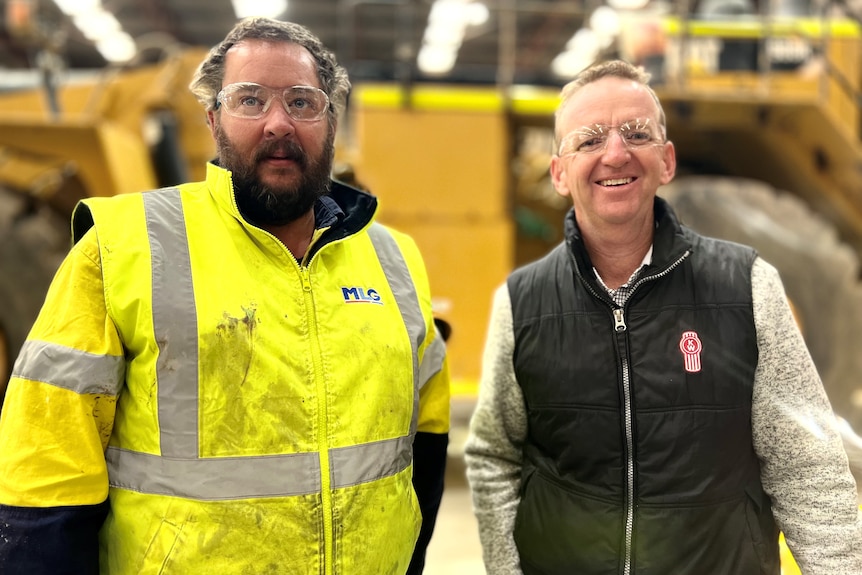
360	295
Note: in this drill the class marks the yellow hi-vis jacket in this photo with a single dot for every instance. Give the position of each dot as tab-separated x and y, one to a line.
245	413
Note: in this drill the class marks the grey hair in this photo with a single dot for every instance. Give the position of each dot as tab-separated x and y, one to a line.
208	77
614	69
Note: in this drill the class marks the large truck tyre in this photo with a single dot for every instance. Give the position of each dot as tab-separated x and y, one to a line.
820	274
33	241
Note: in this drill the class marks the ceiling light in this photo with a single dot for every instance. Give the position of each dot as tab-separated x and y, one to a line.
584	40
119	47
446	12
476	13
605	21
627	4
72	7
440	34
570	62
268	8
436	59
96	24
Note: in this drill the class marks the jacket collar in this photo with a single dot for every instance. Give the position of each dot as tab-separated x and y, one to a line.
669	241
345	210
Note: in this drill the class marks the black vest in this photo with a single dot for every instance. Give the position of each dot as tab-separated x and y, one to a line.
639	447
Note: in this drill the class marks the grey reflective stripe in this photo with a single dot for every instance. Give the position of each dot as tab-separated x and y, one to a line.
432	361
174	323
401	284
362	463
216	478
70	368
178	470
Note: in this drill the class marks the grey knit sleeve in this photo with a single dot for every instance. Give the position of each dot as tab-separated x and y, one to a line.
804	466
493	450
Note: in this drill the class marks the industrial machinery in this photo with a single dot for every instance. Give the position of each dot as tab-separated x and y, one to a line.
767	130
122	130
763	108
764	113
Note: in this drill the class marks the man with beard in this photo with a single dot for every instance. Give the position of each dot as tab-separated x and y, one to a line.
240	375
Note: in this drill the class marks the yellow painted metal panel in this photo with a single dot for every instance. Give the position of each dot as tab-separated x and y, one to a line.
466	262
429	97
434	164
108	159
759	28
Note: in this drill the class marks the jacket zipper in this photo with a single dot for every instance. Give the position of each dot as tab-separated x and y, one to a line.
322	426
620	328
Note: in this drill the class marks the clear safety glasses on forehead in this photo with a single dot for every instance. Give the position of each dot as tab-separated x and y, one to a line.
252	101
635	134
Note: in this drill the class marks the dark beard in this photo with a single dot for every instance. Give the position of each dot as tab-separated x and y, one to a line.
264	205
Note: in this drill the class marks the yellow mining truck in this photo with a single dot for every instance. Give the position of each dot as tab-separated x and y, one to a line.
121	130
763	109
765	115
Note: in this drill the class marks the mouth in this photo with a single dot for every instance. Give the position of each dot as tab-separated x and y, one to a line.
282	154
615	182
278	158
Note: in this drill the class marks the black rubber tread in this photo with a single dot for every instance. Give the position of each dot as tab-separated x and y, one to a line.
33	241
820	274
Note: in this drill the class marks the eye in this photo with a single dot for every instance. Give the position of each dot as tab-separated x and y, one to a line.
300	103
249	101
637	136
591	143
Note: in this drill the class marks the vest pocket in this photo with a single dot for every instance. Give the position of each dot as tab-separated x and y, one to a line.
762	529
560	530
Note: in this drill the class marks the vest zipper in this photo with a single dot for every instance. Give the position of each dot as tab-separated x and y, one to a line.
620	328
619	320
630	461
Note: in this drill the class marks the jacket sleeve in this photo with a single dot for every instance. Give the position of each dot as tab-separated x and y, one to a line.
493	451
796	436
430	444
52	540
429	467
57	416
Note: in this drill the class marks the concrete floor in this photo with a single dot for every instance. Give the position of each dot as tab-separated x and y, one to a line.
454	547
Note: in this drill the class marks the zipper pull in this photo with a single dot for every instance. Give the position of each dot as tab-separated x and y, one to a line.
619	320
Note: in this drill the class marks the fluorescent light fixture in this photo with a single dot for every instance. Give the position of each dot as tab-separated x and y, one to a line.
436	59
605	21
97	24
100	27
581	50
72	7
446	12
476	13
569	63
441	34
268	8
584	40
119	47
628	4
448	21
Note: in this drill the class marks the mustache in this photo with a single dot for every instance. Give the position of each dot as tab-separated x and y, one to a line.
287	149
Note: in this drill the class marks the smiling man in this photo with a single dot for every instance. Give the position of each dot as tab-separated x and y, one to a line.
647	404
197	396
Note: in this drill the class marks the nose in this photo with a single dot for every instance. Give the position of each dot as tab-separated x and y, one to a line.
616	152
277	122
